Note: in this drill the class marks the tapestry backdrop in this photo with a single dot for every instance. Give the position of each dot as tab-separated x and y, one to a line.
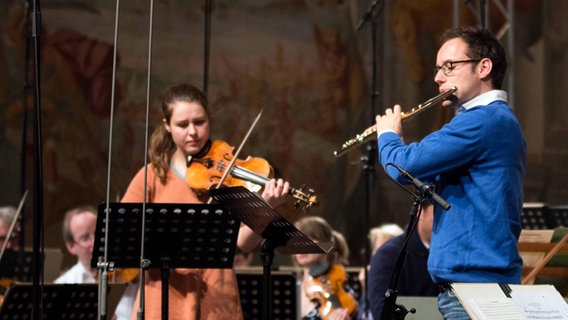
303	62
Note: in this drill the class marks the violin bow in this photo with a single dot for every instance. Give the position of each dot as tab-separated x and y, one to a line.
236	154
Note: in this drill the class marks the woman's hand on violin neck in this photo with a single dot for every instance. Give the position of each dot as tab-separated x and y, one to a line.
275	192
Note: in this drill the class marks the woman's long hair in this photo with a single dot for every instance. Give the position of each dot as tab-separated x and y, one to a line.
317	229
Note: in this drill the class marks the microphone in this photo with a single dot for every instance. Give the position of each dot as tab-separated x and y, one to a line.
423	188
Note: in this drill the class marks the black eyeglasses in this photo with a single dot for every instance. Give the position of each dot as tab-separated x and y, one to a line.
449	66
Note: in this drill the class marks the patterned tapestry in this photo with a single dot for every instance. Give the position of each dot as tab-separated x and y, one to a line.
303	62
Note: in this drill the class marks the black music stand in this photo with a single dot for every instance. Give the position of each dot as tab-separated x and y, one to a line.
536	216
11	268
277	232
284	295
17	265
175	236
558	216
60	301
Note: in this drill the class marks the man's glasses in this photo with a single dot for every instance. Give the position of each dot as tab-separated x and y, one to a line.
449	66
85	240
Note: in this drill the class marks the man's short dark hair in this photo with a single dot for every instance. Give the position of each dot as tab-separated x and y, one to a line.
482	44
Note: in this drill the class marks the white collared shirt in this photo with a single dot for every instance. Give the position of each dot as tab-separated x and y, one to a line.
486	98
76	274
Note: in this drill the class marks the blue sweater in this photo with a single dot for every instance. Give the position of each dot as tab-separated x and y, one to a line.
478	162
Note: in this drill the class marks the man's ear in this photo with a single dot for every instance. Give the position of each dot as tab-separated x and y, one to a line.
485	66
71	248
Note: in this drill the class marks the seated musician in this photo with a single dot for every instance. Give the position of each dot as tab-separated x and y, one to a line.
79	226
324	291
7	215
7	242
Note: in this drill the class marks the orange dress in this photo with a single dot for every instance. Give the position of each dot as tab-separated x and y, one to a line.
208	294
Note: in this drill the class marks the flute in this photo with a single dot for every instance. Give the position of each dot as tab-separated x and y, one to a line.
370	132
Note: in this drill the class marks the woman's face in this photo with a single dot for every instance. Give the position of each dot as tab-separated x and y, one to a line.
308	260
189	126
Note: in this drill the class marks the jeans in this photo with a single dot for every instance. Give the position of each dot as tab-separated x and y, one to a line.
450	307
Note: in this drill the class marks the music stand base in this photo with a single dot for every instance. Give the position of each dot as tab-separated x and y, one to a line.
165	273
267	256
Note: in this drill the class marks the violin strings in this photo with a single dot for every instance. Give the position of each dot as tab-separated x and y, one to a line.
226	172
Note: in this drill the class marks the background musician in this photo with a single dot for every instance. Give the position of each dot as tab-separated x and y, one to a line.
7	215
79	225
377	237
324	274
183	132
78	230
478	161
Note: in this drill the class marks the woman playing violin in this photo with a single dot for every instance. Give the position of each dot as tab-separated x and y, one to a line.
193	293
324	287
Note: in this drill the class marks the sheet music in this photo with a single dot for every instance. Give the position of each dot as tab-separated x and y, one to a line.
496	309
540	302
487	301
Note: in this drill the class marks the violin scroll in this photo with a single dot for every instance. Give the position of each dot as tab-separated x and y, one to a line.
308	198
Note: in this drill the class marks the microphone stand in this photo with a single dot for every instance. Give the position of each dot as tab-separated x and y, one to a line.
24	142
207	45
368	159
37	264
369	16
391	310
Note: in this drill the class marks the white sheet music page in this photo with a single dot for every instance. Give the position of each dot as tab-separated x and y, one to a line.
527	302
495	309
540	302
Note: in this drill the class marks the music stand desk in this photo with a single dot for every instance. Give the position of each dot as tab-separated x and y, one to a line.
59	301
175	236
277	232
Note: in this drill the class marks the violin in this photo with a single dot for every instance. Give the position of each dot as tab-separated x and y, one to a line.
205	172
123	275
328	291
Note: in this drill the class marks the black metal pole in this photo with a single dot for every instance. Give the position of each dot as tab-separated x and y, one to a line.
391	310
267	255
483	13
369	156
37	263
207	45
24	142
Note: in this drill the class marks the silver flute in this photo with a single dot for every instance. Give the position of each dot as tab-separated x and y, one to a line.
370	133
